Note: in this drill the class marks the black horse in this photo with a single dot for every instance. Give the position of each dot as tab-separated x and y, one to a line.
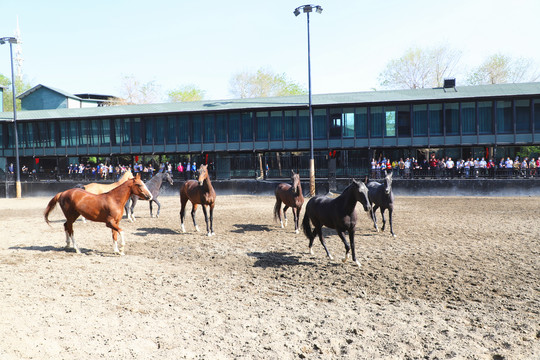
336	213
381	196
154	186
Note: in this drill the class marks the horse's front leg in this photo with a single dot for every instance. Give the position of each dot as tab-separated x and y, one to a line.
206	220
347	246
285	213
353	250
374	216
150	204
212	233
193	210
383	219
296	215
390	211
113	225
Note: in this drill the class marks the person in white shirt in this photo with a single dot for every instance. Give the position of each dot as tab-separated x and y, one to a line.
450	167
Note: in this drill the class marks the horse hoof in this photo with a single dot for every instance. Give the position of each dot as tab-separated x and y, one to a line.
358	263
183	228
197	228
394	235
296	231
213	233
330	257
311	251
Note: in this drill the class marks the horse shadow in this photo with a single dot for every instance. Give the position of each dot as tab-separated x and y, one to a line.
242	228
155	231
274	259
50	248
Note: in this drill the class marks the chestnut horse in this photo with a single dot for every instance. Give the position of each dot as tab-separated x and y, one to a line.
107	208
97	188
198	192
292	197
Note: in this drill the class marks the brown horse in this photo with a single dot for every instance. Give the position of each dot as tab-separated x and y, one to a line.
292	197
97	188
199	192
107	208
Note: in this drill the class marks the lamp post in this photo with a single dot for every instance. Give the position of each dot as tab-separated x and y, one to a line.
308	9
11	41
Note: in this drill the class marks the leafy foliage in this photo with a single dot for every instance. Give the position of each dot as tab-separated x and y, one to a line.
500	69
186	93
263	83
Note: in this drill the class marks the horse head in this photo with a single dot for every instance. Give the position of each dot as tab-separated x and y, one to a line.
295	178
139	188
203	174
169	178
361	194
388	184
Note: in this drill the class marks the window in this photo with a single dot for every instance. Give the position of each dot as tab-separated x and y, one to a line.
182	129
420	120
523	116
319	123
221	127
68	133
485	117
348	122
335	123
468	118
105	132
451	112
504	117
234	127
275	125
136	131
360	122
290	128
171	129
83	132
262	126
376	116
537	115
390	121
247	126
196	129
404	120
435	119
148	125
303	124
209	128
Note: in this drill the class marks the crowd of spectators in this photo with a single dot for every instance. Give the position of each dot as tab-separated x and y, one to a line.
447	168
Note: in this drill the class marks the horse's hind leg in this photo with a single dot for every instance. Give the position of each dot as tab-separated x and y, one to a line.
212	233
353	250
132	208
319	231
208	231
151	212
158	206
68	227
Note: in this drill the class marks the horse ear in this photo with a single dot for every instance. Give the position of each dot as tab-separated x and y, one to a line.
366	179
138	176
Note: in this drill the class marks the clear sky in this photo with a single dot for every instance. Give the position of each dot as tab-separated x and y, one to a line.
90	46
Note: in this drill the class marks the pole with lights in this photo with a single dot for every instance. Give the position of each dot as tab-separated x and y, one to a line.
308	9
11	41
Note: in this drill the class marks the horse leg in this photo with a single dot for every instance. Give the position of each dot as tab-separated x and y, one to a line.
68	227
150	204
183	213
133	203
296	213
353	250
126	209
193	210
158	206
374	216
208	232
383	219
115	231
212	220
347	246
285	213
277	210
390	211
319	231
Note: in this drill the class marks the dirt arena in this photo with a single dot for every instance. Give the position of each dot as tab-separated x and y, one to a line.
460	281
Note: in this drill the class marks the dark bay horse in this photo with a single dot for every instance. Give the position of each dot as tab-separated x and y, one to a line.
107	208
198	192
336	213
381	196
154	186
292	197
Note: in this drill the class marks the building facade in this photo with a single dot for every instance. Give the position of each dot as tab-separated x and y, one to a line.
237	136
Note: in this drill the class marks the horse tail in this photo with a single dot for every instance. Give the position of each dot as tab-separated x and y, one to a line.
277	207
306	226
51	206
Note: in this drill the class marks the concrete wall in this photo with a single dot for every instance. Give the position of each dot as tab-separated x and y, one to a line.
480	187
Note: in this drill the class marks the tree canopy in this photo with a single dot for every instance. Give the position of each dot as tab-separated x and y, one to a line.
263	83
500	69
186	93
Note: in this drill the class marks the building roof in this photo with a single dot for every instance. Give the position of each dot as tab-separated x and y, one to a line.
39	86
339	99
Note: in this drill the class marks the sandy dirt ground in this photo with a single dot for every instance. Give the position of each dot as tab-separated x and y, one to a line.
460	281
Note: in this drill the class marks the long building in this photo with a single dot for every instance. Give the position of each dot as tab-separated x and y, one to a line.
237	136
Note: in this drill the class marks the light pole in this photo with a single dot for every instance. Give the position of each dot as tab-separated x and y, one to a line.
307	9
11	41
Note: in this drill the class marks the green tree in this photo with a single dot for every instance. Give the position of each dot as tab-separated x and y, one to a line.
420	68
263	83
186	93
501	69
20	87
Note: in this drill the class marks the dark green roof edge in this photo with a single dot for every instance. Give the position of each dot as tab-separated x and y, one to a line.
339	99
